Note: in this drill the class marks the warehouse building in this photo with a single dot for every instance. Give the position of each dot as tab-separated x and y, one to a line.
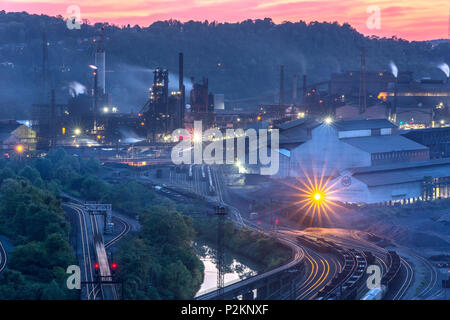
14	133
394	183
308	147
364	161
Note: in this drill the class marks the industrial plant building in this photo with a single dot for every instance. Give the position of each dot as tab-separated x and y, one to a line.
14	135
394	183
307	146
365	161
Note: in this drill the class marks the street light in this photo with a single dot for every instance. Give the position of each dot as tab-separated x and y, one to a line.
19	148
328	120
77	131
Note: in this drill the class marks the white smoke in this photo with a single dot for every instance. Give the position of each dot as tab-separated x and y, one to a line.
76	88
129	136
445	69
173	78
394	69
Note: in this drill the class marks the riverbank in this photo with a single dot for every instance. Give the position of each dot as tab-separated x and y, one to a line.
266	252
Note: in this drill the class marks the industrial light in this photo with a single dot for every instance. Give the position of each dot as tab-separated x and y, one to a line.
317	196
105	109
19	148
92	67
328	120
197	137
77	131
114	109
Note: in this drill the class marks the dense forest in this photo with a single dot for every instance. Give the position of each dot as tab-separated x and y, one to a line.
240	59
32	217
159	262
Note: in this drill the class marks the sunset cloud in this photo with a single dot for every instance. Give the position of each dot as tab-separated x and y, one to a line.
409	19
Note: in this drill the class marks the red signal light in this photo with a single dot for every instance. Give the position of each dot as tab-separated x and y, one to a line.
96	266
114	266
276	221
259	223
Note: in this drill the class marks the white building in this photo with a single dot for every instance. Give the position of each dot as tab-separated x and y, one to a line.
365	161
311	148
400	182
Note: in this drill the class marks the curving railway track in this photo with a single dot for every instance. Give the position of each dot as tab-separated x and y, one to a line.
89	230
3	257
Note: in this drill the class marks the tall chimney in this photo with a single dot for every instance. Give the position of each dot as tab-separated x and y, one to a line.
394	109
180	71
281	85
182	89
95	98
100	63
304	86
294	89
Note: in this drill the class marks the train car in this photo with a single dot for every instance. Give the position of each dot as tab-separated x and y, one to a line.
190	172
211	188
203	173
375	294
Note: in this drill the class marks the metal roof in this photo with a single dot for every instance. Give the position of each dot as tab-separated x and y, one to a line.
403	175
384	143
307	122
349	125
402	172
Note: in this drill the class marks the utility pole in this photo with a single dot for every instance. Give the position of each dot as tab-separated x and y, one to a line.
45	67
281	85
362	83
52	120
221	214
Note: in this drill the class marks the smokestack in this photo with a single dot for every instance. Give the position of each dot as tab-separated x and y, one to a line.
394	109
181	89
294	89
281	85
304	86
95	98
101	66
180	71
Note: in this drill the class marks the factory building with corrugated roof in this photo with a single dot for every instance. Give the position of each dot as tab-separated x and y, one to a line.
308	146
366	161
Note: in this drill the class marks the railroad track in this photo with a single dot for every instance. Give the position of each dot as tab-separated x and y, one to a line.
86	250
125	230
409	274
433	278
95	291
3	257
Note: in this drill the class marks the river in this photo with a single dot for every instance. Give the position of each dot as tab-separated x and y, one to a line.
237	267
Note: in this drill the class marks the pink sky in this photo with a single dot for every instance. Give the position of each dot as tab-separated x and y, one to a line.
408	19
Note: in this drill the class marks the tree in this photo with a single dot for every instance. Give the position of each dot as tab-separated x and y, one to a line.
30	174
